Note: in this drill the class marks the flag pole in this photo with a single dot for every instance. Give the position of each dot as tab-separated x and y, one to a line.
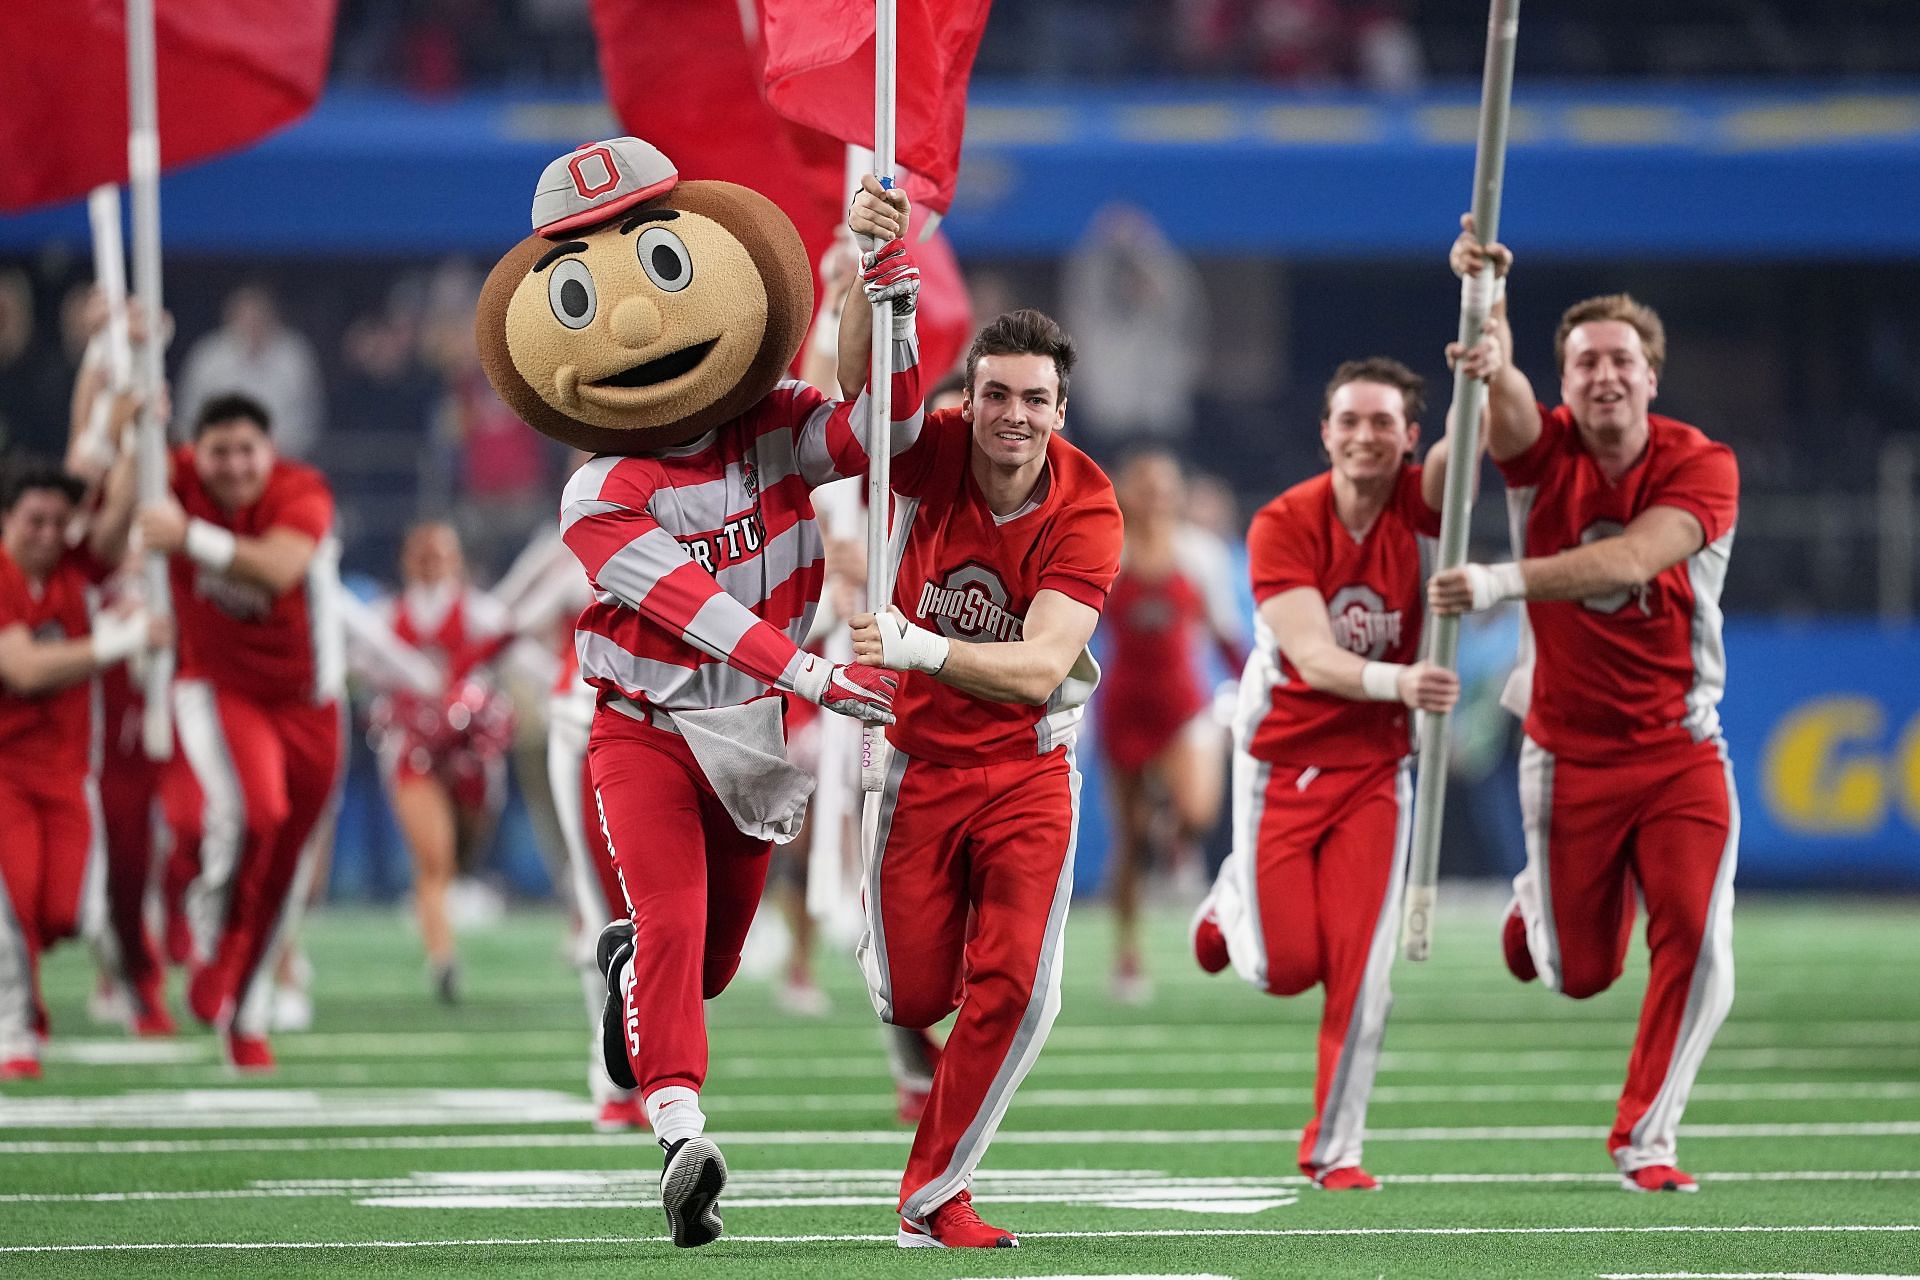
143	181
1463	429
880	394
110	276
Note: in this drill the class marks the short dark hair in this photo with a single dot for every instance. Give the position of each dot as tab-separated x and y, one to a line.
1386	371
28	475
1025	332
232	406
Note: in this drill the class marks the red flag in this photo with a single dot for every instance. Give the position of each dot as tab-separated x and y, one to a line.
230	72
819	72
680	75
685	77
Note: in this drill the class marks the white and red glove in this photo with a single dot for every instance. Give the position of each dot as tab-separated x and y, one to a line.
849	689
889	275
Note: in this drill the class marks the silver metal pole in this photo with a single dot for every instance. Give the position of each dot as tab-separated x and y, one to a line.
1463	430
880	395
110	277
143	180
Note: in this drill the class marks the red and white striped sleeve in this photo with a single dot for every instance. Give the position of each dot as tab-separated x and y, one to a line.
836	438
628	556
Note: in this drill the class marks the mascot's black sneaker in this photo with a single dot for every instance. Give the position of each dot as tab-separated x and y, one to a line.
690	1189
612	952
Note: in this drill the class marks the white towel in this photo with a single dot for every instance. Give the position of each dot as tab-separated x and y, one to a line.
743	752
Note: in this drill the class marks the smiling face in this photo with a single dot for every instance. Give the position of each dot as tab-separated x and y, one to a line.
34	530
652	328
1607	381
1366	432
235	460
1014	407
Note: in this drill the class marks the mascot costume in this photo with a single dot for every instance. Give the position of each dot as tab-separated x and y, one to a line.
652	321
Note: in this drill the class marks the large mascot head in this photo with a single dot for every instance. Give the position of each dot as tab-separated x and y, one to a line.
644	311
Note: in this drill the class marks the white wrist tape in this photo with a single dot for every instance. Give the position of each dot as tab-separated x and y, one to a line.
210	545
905	647
810	681
1479	292
1380	681
1492	583
117	636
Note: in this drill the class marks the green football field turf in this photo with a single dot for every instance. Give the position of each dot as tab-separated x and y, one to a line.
401	1137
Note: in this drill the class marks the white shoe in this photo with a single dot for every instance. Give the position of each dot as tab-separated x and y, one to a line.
292	1010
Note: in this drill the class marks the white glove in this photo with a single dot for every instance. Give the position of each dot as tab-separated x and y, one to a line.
117	636
905	647
1492	583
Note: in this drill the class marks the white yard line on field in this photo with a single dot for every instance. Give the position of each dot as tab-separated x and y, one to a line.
901	1137
400	1107
816	1188
1165	1233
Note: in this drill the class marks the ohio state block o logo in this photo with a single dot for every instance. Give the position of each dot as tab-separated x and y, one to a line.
1354	613
607	175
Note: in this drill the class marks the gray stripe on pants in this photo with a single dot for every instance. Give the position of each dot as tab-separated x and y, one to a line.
1343	1120
1028	1038
16	986
1251	778
1654	1138
872	950
1536	810
223	814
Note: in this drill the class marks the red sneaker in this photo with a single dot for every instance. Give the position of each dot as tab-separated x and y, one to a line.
247	1053
1350	1178
1657	1177
954	1225
1513	942
1209	944
19	1069
618	1115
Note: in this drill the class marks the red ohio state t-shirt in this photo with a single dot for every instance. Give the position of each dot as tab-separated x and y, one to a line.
236	634
1633	671
49	734
1375	592
972	576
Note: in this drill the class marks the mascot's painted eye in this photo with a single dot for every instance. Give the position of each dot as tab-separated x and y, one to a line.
570	293
665	259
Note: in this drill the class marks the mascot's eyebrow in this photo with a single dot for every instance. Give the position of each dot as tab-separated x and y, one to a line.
648	215
558	251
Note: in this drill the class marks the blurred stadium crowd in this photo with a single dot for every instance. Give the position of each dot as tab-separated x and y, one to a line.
448	46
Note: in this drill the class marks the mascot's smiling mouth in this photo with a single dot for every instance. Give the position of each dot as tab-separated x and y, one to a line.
664	369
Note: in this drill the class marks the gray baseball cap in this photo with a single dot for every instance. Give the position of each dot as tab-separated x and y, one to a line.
596	181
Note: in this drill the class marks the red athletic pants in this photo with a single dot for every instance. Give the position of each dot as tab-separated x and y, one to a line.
129	784
46	838
966	901
1322	855
1669	826
242	796
692	881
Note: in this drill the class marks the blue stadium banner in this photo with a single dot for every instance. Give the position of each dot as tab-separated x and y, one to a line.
1809	171
1824	723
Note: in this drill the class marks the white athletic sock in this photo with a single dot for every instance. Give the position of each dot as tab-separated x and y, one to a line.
674	1112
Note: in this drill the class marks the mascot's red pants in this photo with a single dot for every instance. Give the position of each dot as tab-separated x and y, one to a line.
692	882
